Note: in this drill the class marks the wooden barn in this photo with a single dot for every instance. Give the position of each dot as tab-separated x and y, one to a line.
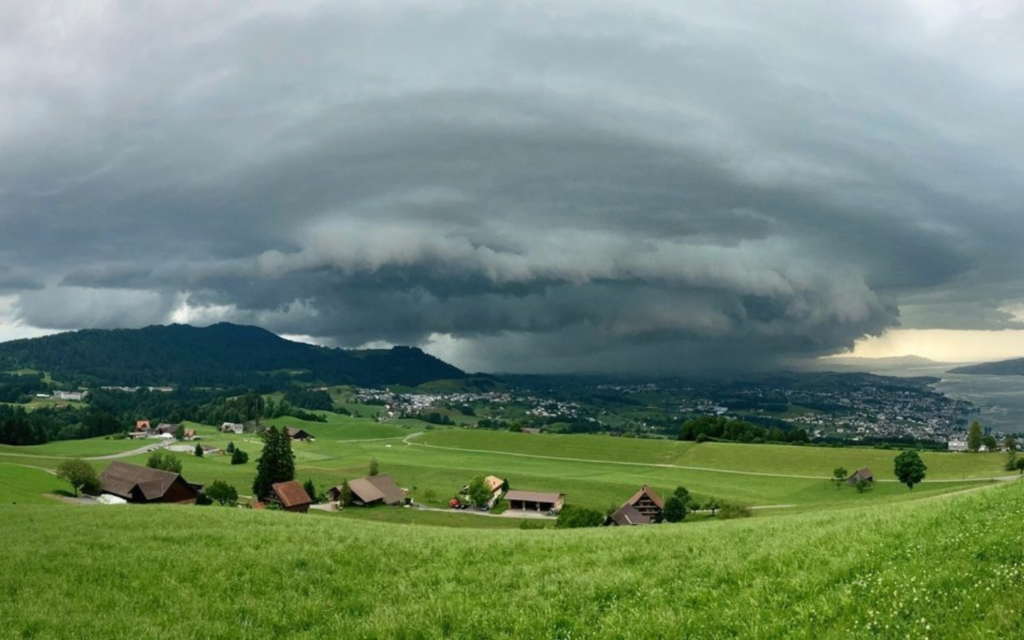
860	474
290	496
372	490
626	516
298	434
145	485
535	501
648	503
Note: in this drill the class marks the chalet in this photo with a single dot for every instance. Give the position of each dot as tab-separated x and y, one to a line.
535	501
298	434
142	425
372	490
647	502
860	474
232	427
290	496
626	516
190	434
166	429
142	484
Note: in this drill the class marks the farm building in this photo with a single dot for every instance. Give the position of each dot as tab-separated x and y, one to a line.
166	429
298	434
535	501
290	496
647	502
142	484
372	490
142	425
232	427
627	515
860	474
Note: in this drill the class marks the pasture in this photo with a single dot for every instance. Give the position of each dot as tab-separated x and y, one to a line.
945	568
594	471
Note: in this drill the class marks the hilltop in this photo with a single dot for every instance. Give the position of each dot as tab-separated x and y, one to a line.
218	355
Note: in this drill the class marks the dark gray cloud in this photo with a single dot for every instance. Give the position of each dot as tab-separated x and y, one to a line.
548	186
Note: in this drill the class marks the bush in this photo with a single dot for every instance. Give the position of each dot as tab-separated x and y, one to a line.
239	457
165	461
730	510
223	493
199	451
230	448
579	517
531	524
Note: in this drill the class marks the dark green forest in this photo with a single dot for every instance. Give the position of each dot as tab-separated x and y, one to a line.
221	355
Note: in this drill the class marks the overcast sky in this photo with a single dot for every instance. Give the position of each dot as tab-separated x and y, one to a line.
550	186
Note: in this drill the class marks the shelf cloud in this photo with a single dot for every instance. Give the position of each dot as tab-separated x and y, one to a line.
555	186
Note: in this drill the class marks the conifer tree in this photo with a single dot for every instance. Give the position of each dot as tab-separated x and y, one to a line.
276	463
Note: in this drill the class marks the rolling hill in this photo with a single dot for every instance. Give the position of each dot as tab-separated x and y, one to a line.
219	355
1014	367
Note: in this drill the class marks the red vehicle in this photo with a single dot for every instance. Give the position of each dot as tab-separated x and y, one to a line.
454	504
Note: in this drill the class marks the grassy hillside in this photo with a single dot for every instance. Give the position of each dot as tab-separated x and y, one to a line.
943	568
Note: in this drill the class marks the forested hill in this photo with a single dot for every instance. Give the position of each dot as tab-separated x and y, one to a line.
218	355
1002	368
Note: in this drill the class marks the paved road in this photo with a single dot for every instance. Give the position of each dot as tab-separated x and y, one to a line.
408	440
112	456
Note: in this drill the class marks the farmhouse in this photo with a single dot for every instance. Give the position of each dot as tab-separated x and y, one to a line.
142	425
535	501
860	474
290	496
166	429
627	515
142	484
298	434
232	427
372	490
646	502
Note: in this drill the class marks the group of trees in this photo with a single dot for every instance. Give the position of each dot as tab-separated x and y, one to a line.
704	428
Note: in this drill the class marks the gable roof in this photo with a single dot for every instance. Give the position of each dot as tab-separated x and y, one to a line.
627	515
121	478
862	474
654	497
533	496
374	488
297	433
494	483
291	494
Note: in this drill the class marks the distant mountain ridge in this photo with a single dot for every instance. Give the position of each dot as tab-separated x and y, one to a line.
1014	367
218	355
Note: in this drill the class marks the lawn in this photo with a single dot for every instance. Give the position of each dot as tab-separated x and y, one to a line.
943	568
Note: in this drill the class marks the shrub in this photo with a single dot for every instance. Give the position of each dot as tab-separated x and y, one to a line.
223	493
164	460
239	457
199	451
730	510
579	517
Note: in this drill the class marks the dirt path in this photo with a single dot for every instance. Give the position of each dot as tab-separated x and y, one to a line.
111	456
408	441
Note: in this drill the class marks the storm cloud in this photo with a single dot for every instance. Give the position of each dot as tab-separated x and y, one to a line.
517	186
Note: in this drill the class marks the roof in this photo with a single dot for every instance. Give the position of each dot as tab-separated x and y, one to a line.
291	494
627	515
494	483
141	424
534	496
121	478
862	474
655	498
374	488
296	433
167	428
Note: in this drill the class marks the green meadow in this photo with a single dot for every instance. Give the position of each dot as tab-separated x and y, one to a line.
938	568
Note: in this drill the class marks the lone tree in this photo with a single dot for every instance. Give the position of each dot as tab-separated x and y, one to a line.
479	492
974	437
675	509
230	448
990	442
374	467
344	494
1011	453
80	474
199	451
164	461
839	475
310	489
179	433
222	493
909	468
276	462
712	505
239	457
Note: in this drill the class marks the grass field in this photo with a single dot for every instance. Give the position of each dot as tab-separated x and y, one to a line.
594	471
941	568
